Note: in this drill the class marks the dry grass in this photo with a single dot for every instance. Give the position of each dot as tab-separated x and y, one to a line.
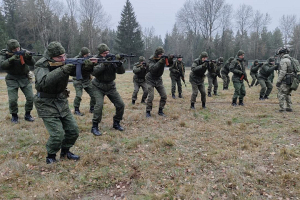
221	152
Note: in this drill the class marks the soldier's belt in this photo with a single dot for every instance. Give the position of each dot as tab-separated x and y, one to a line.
50	96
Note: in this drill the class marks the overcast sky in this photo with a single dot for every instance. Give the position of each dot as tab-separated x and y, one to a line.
161	14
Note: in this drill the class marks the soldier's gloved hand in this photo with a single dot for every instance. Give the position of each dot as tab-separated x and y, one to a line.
118	57
68	68
13	58
28	56
162	61
88	65
278	84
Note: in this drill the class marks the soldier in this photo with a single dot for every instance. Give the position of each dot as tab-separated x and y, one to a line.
154	80
197	77
103	83
17	68
140	70
283	84
177	70
238	68
212	74
254	72
224	72
52	76
263	78
85	84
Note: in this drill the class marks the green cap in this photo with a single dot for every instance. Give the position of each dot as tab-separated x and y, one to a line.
271	59
141	58
55	49
12	44
240	52
159	51
256	61
204	54
231	59
221	59
84	51
102	48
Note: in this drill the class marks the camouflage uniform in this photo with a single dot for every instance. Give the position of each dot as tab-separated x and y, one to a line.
212	74
197	77
238	68
154	80
17	77
284	88
254	72
224	73
103	83
263	78
85	84
140	70
176	71
52	104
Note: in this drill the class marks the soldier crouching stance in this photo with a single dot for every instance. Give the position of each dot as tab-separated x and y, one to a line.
51	102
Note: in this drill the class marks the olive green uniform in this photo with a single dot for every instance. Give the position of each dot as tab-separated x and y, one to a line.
212	74
263	78
224	73
140	70
237	67
154	80
197	77
254	73
104	84
52	104
17	77
176	71
85	84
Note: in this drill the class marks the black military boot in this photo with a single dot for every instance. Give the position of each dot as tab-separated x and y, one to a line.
203	105
66	153
160	112
193	106
28	117
77	111
266	97
241	102
261	98
117	126
133	102
224	88
14	118
289	110
173	96
215	93
95	129
92	109
148	114
51	158
234	102
143	101
209	94
179	95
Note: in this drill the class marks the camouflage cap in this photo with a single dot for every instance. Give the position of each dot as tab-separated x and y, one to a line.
240	52
179	56
12	44
142	59
102	48
283	50
84	51
221	59
231	59
204	54
271	59
55	49
159	51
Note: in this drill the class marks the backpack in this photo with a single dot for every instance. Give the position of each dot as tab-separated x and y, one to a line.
295	64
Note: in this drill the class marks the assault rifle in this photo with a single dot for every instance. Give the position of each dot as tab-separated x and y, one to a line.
210	61
243	77
113	56
22	53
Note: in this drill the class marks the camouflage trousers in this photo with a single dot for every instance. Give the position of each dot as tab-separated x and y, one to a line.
108	89
266	87
195	89
212	81
137	86
79	91
271	77
284	96
176	80
239	90
12	90
254	79
158	85
63	132
226	80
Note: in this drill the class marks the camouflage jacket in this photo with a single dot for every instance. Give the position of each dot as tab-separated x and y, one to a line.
198	70
238	68
16	71
225	69
285	68
140	70
177	69
51	81
254	69
266	71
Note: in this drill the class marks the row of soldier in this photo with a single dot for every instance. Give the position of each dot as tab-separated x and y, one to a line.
52	76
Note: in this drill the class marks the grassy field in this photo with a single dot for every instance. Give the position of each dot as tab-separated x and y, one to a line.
221	152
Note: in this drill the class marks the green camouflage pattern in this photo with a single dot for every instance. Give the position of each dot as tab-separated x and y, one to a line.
139	80
239	91
175	70
238	68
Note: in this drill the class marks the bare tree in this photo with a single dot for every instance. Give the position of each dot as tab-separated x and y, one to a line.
287	24
187	17
244	21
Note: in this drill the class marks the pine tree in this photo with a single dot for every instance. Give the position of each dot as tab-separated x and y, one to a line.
129	37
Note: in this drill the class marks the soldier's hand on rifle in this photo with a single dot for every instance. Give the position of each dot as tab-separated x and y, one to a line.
27	56
118	57
88	65
68	68
162	61
13	58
